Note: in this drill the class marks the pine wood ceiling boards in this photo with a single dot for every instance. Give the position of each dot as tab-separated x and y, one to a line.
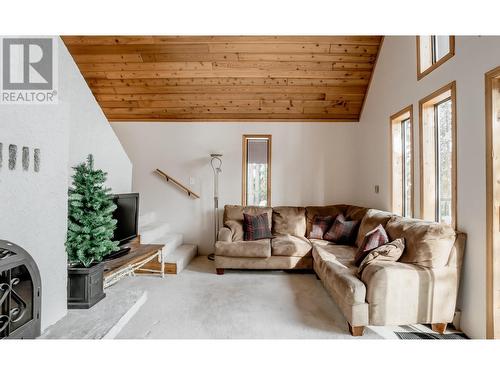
223	78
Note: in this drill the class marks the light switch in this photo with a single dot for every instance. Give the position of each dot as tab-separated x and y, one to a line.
192	181
377	189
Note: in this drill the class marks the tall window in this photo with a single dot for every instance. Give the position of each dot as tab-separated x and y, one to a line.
438	155
492	84
444	145
256	170
402	162
432	51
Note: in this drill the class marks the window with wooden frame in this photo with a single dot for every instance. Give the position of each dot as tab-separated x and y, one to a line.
438	156
256	170
492	85
401	132
433	51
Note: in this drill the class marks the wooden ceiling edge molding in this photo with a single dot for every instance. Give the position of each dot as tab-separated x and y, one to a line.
371	77
196	39
291	121
228	78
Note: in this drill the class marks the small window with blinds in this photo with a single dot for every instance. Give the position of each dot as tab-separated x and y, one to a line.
256	170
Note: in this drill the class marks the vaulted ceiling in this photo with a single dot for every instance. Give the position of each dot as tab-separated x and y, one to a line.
221	78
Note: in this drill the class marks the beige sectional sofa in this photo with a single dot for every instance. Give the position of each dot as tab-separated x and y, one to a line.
421	287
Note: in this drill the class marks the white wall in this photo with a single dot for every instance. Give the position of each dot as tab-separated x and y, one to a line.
33	205
310	165
90	132
394	87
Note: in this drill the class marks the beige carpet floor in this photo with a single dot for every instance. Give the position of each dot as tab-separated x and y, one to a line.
198	304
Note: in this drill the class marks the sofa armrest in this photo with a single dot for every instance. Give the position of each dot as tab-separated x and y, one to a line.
401	293
225	235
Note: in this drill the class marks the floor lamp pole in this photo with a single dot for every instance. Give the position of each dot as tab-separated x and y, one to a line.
216	163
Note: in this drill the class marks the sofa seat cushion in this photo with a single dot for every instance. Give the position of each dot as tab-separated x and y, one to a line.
427	244
244	249
289	220
287	245
328	251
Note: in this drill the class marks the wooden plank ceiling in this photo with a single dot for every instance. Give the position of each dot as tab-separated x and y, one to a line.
220	78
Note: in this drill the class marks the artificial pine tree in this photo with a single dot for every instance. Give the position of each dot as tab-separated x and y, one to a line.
90	216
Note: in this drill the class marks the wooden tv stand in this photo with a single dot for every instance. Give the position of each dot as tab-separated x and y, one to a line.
135	260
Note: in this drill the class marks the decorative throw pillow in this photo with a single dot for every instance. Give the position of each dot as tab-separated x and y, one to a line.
320	226
390	252
373	239
256	227
342	231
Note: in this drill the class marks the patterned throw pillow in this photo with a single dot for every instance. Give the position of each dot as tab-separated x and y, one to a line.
256	227
390	252
342	231
320	226
373	239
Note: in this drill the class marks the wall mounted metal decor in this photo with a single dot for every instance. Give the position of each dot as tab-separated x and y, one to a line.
25	157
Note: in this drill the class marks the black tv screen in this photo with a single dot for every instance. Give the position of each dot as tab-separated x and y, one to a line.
126	215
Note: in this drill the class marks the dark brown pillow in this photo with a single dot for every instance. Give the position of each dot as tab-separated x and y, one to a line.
342	231
319	227
373	239
256	227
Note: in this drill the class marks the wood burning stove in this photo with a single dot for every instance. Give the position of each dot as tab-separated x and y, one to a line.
20	293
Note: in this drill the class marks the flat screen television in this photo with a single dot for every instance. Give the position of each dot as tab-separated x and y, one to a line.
127	217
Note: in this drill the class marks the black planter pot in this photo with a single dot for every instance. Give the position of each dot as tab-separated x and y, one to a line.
85	286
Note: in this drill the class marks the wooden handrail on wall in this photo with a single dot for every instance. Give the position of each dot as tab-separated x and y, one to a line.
177	183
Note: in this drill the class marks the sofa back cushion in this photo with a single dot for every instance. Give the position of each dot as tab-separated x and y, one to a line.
312	211
428	244
289	220
370	221
233	218
356	213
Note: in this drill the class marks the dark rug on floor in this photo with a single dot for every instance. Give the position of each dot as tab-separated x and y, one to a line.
430	336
